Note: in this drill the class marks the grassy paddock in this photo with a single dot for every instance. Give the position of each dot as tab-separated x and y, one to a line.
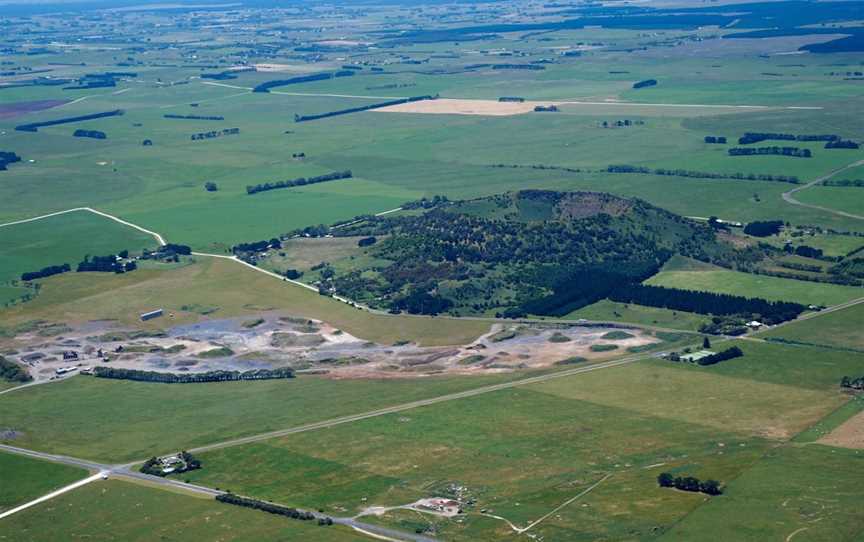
150	418
610	311
25	479
839	329
521	453
749	285
116	510
64	239
814	490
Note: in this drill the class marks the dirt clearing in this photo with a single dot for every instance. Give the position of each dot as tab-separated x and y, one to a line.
850	434
448	106
16	109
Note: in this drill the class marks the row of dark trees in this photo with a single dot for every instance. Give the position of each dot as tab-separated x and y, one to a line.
851	383
153	467
689	483
763	228
256	246
756	137
46	272
723	355
194	117
105	264
426	203
585	287
269	507
858	183
118	373
6	158
94	134
533	67
645	83
842	144
715	139
300	181
379	105
34	126
771	312
624	168
265	87
421	302
13	372
795	152
214	133
806	252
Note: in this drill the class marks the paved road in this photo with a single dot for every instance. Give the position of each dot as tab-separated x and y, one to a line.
789	198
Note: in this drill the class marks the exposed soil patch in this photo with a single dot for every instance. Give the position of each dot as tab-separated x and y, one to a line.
850	434
17	109
448	106
308	346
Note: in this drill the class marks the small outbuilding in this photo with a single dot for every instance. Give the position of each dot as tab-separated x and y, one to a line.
151	315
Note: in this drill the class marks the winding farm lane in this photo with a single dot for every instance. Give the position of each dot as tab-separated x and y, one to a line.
789	198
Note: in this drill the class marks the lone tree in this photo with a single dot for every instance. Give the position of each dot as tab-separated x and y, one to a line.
210	186
706	343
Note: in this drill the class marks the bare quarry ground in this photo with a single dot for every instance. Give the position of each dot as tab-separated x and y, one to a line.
305	345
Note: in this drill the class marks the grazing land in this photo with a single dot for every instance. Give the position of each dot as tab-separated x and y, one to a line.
25	479
116	510
841	329
533	271
775	288
137	428
63	239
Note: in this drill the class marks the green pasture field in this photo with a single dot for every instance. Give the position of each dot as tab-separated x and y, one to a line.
233	289
831	245
611	311
749	285
116	510
810	368
544	451
848	199
25	479
842	329
409	156
814	490
763	408
854	173
63	239
150	419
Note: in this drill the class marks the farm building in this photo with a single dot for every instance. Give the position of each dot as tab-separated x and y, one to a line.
151	315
